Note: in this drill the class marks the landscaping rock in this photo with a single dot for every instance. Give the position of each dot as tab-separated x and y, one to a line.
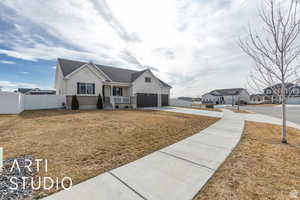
21	193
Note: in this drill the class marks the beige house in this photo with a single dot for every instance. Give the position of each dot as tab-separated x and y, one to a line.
226	96
119	87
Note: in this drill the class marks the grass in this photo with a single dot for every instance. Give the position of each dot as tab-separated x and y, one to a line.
259	168
270	105
199	108
209	109
238	111
83	144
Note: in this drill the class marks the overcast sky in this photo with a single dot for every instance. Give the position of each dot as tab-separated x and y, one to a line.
190	44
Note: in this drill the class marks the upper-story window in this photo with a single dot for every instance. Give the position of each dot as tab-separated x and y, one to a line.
85	88
117	91
268	91
295	91
148	79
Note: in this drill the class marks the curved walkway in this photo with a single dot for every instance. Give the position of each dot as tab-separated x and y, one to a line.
178	171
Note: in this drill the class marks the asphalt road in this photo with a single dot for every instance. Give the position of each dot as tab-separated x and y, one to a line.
293	111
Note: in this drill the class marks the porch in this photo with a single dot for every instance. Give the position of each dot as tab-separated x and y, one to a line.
117	96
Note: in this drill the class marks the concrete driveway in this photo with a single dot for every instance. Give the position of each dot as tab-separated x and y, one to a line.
293	111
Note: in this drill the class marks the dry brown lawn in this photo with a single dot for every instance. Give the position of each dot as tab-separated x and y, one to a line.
199	108
83	144
209	109
271	105
238	111
259	168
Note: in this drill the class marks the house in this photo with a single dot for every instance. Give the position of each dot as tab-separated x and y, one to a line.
35	91
119	87
292	93
259	99
190	99
226	96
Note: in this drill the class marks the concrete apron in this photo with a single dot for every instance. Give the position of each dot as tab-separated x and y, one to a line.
178	171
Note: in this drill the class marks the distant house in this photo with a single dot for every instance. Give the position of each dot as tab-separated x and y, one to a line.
119	87
190	99
229	96
259	99
273	94
35	91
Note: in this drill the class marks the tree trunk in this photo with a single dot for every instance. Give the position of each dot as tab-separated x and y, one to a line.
283	132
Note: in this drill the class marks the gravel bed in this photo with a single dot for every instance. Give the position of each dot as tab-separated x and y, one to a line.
6	193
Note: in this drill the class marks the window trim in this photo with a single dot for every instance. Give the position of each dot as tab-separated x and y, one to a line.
89	88
119	92
148	78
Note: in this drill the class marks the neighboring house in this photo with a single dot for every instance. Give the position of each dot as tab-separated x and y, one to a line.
35	91
226	96
259	99
119	87
190	99
292	93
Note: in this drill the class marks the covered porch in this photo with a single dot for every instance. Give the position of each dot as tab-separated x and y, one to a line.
117	95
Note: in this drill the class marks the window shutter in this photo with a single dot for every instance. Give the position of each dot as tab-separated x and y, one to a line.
78	91
93	88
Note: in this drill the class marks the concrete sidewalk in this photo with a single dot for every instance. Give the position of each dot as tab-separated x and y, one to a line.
178	171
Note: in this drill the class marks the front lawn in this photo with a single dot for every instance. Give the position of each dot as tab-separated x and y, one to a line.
83	144
238	111
259	168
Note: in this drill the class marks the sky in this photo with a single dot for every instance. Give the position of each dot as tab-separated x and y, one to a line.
189	44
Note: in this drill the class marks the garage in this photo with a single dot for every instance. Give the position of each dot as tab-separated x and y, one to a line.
165	100
146	100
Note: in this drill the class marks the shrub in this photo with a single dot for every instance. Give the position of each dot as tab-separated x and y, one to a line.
209	106
99	102
75	103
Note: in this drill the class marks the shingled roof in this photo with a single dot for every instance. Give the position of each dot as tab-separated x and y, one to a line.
114	73
226	92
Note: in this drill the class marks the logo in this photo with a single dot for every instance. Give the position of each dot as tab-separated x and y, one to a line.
1	158
22	173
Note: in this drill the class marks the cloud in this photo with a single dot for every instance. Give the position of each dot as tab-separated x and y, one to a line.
192	44
11	86
7	62
24	72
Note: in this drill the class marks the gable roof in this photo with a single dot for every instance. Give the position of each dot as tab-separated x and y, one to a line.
226	92
114	73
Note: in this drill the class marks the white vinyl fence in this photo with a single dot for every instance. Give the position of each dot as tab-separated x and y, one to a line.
181	103
37	102
14	103
11	103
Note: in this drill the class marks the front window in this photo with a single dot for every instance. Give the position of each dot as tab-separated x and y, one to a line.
148	79
117	91
295	91
268	91
85	88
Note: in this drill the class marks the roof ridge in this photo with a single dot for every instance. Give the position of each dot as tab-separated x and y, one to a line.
101	65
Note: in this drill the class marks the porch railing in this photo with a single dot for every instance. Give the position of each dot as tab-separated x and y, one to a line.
120	99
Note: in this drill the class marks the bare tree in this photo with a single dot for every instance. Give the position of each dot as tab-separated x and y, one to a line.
275	49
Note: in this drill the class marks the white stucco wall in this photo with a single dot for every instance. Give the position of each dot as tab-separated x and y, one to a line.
154	87
85	75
